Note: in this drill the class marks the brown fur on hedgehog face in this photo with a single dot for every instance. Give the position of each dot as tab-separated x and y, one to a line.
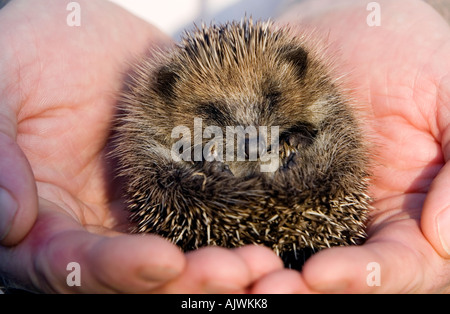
243	75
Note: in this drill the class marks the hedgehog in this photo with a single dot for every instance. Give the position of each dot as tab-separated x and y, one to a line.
240	135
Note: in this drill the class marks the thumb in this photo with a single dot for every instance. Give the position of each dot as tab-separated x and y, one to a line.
18	194
435	220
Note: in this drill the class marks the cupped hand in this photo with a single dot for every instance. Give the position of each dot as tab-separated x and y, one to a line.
400	73
59	200
60	203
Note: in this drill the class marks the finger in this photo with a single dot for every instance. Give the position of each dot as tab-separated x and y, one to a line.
383	265
18	195
125	263
282	281
135	263
211	270
260	260
435	220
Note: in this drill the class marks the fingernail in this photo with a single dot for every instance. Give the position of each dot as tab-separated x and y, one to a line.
158	274
332	287
443	226
8	209
220	287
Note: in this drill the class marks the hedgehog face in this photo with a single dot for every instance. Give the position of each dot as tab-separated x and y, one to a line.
229	82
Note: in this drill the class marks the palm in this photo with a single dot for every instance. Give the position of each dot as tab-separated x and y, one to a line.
65	136
65	140
410	157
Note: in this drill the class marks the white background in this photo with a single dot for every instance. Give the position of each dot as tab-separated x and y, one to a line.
172	16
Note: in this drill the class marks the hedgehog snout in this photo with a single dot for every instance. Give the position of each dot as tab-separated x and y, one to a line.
254	146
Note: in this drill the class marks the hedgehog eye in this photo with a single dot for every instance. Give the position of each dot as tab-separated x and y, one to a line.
273	96
298	134
298	57
212	112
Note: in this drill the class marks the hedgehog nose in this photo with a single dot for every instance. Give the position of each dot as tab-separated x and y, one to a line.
254	147
249	147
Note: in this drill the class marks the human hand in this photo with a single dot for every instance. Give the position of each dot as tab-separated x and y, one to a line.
58	90
401	70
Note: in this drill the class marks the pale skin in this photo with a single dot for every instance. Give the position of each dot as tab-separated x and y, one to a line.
58	86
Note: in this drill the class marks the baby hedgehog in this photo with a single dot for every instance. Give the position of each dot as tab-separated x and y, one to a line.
239	135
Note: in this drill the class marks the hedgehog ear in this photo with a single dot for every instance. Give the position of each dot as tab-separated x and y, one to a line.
166	78
298	57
